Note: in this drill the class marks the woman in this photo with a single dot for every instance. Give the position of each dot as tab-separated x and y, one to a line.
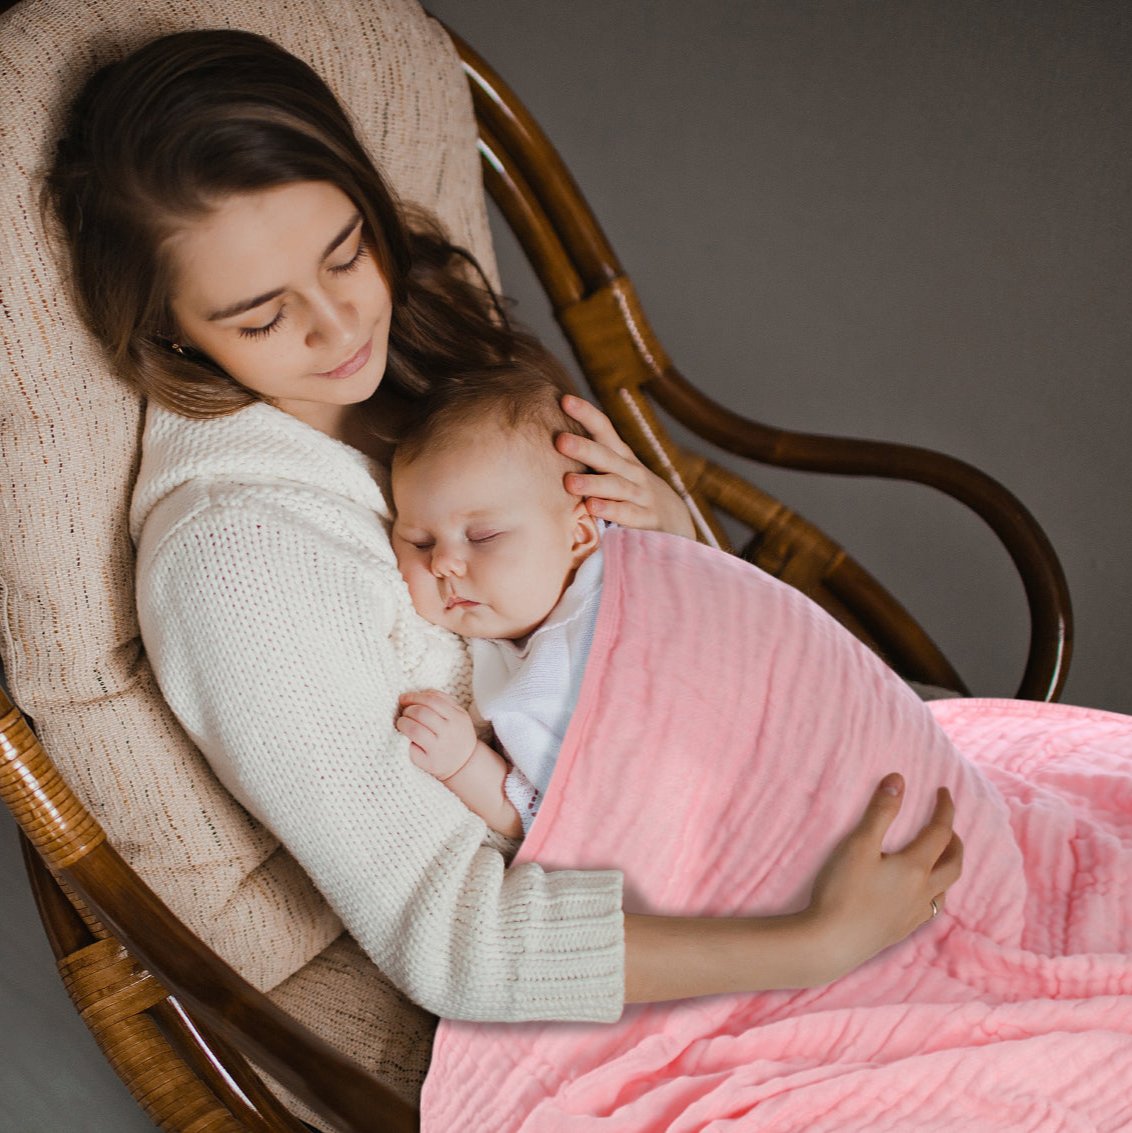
245	266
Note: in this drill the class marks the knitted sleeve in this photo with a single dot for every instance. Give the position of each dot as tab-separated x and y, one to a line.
272	619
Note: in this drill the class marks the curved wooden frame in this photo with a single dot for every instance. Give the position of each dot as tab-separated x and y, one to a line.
179	1026
597	308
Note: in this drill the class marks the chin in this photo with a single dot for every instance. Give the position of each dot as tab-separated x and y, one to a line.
359	387
472	626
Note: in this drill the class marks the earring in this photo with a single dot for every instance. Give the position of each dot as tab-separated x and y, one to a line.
177	348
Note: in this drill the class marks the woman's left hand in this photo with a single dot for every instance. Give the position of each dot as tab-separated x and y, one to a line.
619	488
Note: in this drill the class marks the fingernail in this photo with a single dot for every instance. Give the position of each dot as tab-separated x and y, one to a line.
891	784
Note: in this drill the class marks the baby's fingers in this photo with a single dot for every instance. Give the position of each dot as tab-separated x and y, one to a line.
415	730
431	699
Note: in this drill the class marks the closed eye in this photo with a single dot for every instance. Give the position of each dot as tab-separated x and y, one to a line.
266	329
351	264
354	262
485	538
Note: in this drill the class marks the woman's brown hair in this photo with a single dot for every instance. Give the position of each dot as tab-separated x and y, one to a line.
153	141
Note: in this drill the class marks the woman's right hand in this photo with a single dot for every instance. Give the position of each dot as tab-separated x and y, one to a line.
862	901
865	900
618	487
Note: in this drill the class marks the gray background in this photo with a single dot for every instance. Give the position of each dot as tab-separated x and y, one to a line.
907	221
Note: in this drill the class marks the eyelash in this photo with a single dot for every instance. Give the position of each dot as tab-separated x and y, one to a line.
339	269
354	262
478	539
266	329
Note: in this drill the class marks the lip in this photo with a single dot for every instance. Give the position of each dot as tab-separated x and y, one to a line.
352	364
455	601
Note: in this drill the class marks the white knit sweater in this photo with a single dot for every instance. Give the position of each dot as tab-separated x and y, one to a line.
281	634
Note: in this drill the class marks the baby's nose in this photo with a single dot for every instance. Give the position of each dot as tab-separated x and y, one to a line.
445	564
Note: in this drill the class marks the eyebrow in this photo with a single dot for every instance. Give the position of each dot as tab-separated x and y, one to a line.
250	304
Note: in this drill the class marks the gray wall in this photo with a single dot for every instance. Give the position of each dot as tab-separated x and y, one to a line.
900	220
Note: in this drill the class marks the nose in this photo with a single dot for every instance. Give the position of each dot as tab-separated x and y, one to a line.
447	563
332	320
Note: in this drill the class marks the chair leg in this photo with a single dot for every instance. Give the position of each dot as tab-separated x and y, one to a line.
185	1079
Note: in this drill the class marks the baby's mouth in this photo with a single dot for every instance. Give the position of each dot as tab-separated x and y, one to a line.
453	601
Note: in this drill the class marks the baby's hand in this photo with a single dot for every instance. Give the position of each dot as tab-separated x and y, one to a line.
441	732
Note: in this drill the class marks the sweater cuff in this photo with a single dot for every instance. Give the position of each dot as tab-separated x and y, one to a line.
572	964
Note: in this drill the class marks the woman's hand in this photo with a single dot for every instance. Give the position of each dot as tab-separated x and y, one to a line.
863	901
866	900
619	488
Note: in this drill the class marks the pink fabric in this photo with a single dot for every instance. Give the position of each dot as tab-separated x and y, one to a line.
727	734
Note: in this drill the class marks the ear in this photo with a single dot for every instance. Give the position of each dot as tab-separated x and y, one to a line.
585	535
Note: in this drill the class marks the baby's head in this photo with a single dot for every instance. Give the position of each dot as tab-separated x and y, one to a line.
486	535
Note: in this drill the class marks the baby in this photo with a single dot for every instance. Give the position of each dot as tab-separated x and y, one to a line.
494	548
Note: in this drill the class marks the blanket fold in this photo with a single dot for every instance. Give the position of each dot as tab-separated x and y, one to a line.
728	734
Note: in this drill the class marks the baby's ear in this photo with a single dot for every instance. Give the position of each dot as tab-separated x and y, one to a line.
586	537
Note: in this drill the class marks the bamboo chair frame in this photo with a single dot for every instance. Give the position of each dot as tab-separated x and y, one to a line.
179	1026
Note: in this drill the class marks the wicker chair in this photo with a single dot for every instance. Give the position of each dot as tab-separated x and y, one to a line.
213	976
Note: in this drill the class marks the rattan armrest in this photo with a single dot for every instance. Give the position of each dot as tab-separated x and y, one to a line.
74	846
1047	592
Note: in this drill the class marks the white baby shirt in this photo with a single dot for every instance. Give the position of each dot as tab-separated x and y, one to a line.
527	690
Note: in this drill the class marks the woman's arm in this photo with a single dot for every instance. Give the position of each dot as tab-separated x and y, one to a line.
282	635
620	488
863	901
272	625
443	742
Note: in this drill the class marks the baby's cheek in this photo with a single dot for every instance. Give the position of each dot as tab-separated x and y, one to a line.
401	557
413	581
422	590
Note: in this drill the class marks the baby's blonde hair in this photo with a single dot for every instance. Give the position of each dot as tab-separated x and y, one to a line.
522	395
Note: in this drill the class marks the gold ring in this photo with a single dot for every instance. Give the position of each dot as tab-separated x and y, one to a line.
935	908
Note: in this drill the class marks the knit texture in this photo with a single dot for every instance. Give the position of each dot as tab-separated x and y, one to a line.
281	634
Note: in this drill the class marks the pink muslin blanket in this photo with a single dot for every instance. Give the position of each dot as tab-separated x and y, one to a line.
728	733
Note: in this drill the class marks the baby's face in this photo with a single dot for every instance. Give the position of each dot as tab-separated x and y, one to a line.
486	536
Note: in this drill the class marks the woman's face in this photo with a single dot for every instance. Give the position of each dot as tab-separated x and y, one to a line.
279	289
